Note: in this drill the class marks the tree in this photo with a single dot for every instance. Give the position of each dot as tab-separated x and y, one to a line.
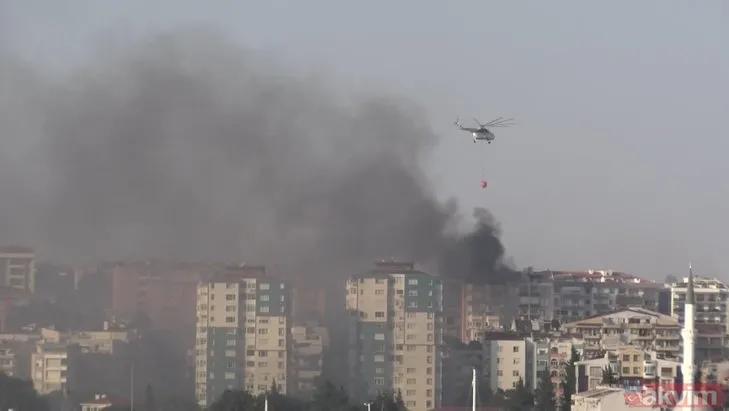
520	398
234	401
544	395
17	394
608	377
150	404
388	401
569	384
328	397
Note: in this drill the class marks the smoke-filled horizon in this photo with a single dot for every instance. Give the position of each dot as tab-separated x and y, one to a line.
188	147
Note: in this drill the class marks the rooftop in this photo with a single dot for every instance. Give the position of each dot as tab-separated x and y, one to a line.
599	392
591	276
16	249
701	283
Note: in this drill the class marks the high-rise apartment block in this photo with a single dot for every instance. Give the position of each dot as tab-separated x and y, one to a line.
712	315
17	268
395	334
243	339
568	296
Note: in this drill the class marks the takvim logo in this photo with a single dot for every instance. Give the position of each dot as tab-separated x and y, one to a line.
677	396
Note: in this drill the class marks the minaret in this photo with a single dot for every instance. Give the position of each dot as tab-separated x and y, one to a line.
689	332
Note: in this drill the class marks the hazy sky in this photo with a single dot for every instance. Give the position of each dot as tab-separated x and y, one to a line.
618	160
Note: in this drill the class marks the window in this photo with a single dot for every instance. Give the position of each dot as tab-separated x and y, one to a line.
281	332
410	393
230	343
516	360
230	297
230	308
411	404
262	331
265	297
379	314
265	286
379	381
229	319
500	373
626	370
379	370
411	370
250	353
413	282
516	348
379	292
264	308
263	353
515	373
411	381
413	293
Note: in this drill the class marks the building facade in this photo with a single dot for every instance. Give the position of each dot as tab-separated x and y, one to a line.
630	366
568	296
712	321
17	268
54	367
243	340
395	334
310	342
637	326
505	360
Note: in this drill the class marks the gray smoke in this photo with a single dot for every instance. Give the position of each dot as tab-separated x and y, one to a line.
187	147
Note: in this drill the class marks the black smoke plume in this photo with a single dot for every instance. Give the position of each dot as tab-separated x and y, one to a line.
187	147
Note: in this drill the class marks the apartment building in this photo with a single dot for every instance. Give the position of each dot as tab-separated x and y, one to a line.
8	361
631	366
568	296
54	367
309	303
550	354
395	332
459	360
505	360
310	342
712	321
243	339
486	307
637	326
600	399
17	268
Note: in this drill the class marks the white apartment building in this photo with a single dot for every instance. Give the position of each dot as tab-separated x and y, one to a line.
505	360
629	326
243	339
712	319
630	366
54	367
395	334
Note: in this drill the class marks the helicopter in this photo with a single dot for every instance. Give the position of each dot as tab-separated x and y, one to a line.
482	132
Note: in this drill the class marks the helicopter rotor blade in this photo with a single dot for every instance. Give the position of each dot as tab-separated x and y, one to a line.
478	122
499	121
